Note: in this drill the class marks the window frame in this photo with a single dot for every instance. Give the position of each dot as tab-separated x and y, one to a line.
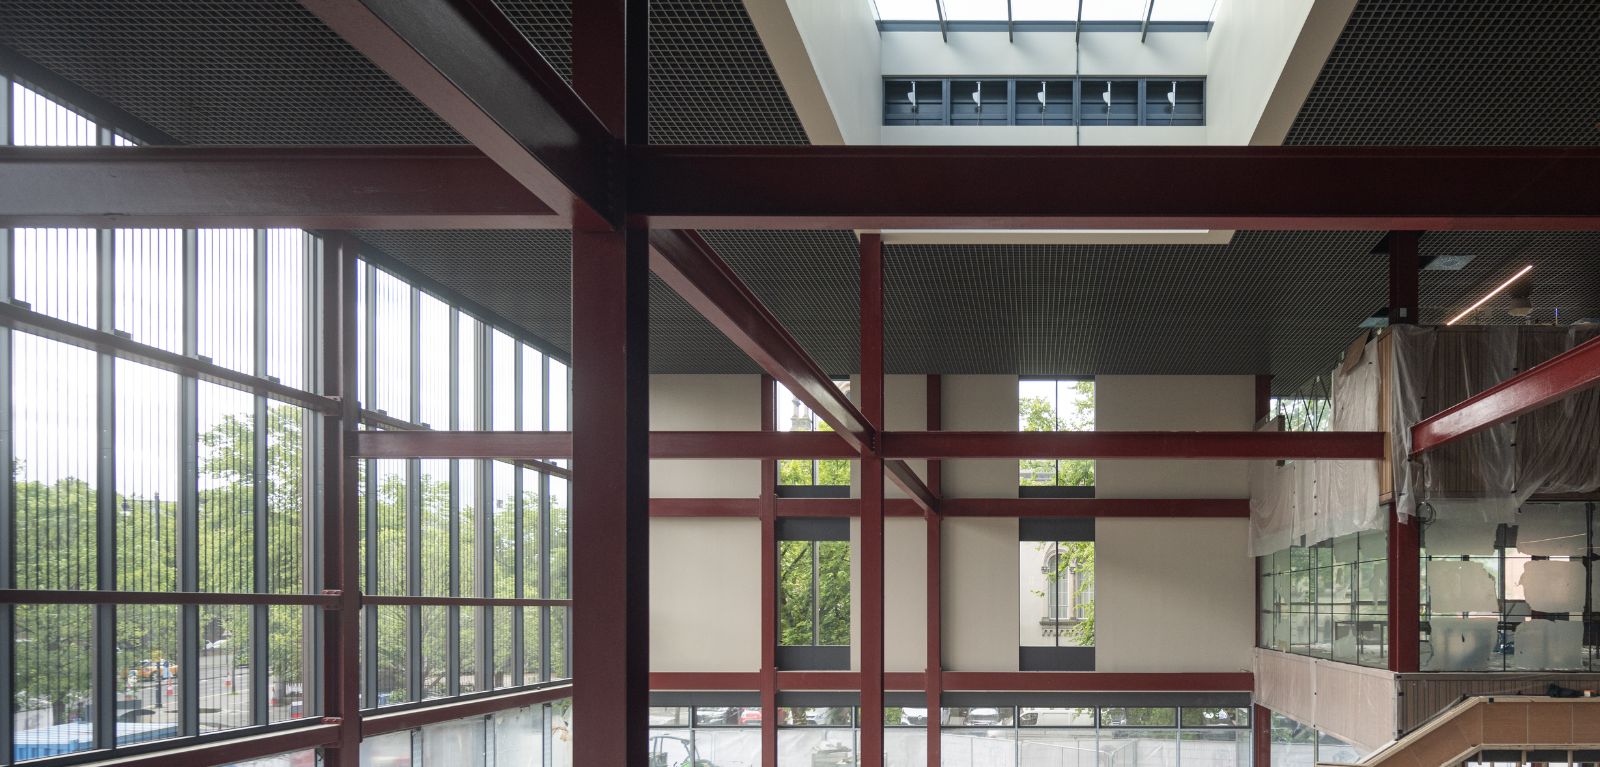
1056	490
1057	657
814	656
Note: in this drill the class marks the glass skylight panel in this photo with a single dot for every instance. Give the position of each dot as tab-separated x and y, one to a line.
975	10
1113	10
909	10
1044	10
1183	10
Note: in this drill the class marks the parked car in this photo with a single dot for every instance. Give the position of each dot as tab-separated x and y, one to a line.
983	717
152	669
750	716
714	715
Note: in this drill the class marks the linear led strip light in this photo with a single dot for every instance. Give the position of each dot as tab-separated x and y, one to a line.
1491	294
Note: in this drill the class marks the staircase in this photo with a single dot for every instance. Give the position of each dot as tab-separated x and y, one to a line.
1522	723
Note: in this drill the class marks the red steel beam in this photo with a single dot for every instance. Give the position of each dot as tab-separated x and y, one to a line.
689	266
906	479
968	681
413	718
525	445
1175	508
1178	508
45	326
469	64
418	187
1313	188
314	734
705	507
1136	444
691	445
1097	681
1572	371
872	506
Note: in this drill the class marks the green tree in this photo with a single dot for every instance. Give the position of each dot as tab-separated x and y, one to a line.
797	623
1037	414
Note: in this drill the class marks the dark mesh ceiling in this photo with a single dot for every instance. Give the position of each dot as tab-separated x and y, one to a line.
1402	72
1431	72
710	79
256	72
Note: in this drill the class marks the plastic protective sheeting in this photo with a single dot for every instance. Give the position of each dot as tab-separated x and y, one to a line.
1460	644
1456	537
1553	530
1486	476
1554	586
1548	645
1272	492
1461	587
1307	502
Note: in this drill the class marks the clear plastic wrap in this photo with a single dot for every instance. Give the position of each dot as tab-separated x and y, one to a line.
1543	645
1554	586
1307	502
1460	644
1487	476
1553	529
1456	586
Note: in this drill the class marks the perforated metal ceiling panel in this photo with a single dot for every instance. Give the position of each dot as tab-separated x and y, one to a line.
710	79
240	72
1439	72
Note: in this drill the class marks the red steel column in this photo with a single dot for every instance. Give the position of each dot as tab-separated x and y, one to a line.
871	754
1263	397
1261	736
933	678
610	495
611	428
768	509
1403	265
340	555
1405	593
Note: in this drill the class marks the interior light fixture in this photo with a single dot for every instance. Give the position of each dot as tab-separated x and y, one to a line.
1491	294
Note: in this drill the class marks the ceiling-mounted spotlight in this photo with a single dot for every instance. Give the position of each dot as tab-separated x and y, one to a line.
1492	294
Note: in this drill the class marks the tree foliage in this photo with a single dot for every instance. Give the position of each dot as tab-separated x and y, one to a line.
56	527
801	619
1038	414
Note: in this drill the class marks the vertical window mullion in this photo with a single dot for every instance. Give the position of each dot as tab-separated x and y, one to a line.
483	544
189	502
517	553
453	638
414	506
545	548
7	501
816	593
369	644
260	631
103	684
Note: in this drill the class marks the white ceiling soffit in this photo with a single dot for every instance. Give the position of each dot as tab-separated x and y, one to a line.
1057	236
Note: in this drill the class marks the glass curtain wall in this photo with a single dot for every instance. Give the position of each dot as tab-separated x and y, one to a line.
452	528
125	477
532	736
1328	601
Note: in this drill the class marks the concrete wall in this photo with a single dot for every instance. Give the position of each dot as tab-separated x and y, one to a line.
705	595
979	605
826	54
1173	403
1173	595
1041	53
705	403
1263	57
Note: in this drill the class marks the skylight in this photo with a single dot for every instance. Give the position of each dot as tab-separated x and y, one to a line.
1043	10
